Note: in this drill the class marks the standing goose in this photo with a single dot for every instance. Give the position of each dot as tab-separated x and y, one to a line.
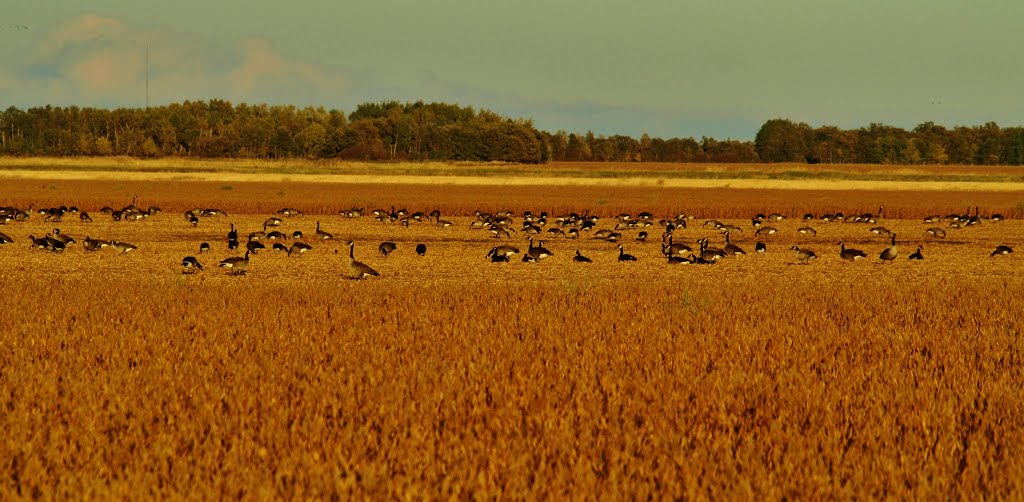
358	270
580	258
890	253
421	249
804	256
674	249
917	255
731	248
710	254
190	265
232	234
850	254
320	234
503	251
540	252
387	248
1002	251
236	265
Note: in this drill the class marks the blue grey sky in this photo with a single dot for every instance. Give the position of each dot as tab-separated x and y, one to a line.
668	68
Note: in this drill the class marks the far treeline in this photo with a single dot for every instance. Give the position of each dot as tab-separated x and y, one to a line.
448	132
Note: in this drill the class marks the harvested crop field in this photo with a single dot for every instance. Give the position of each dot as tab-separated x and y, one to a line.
451	376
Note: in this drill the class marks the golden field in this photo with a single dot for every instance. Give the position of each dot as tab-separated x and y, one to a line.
450	376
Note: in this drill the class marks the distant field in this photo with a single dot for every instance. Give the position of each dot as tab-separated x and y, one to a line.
645	172
452	377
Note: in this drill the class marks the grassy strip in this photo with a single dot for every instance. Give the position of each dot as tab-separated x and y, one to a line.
497	170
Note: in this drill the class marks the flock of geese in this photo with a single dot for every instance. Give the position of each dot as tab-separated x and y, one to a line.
499	225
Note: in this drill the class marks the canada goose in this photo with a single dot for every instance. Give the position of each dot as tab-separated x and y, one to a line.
297	234
85	218
850	254
766	231
442	223
974	220
54	245
320	234
1001	250
804	256
279	247
64	238
580	258
236	265
672	249
678	260
642	236
190	265
700	260
776	217
258	235
275	235
808	216
90	244
233	234
204	247
504	258
916	255
933	219
358	270
760	247
387	248
123	247
997	217
153	210
502	251
889	254
300	248
192	218
288	211
273	222
807	231
233	244
38	243
710	254
421	249
625	257
254	246
106	210
936	232
731	248
212	212
539	252
555	232
879	230
5	239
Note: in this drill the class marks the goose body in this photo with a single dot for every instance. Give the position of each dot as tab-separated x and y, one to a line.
123	247
387	248
625	257
760	247
732	249
539	252
580	258
236	265
916	256
358	270
5	239
300	248
322	235
804	256
889	254
421	249
938	233
1002	251
190	265
850	254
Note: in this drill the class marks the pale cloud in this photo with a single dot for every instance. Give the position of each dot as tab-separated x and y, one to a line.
100	61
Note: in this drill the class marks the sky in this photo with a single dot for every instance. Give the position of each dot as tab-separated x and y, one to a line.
672	68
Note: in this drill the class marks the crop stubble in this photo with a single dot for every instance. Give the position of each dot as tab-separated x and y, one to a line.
453	376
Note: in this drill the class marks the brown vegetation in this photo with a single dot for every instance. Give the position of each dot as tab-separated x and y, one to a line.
449	376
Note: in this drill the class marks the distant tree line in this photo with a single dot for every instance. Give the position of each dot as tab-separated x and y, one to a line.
441	131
